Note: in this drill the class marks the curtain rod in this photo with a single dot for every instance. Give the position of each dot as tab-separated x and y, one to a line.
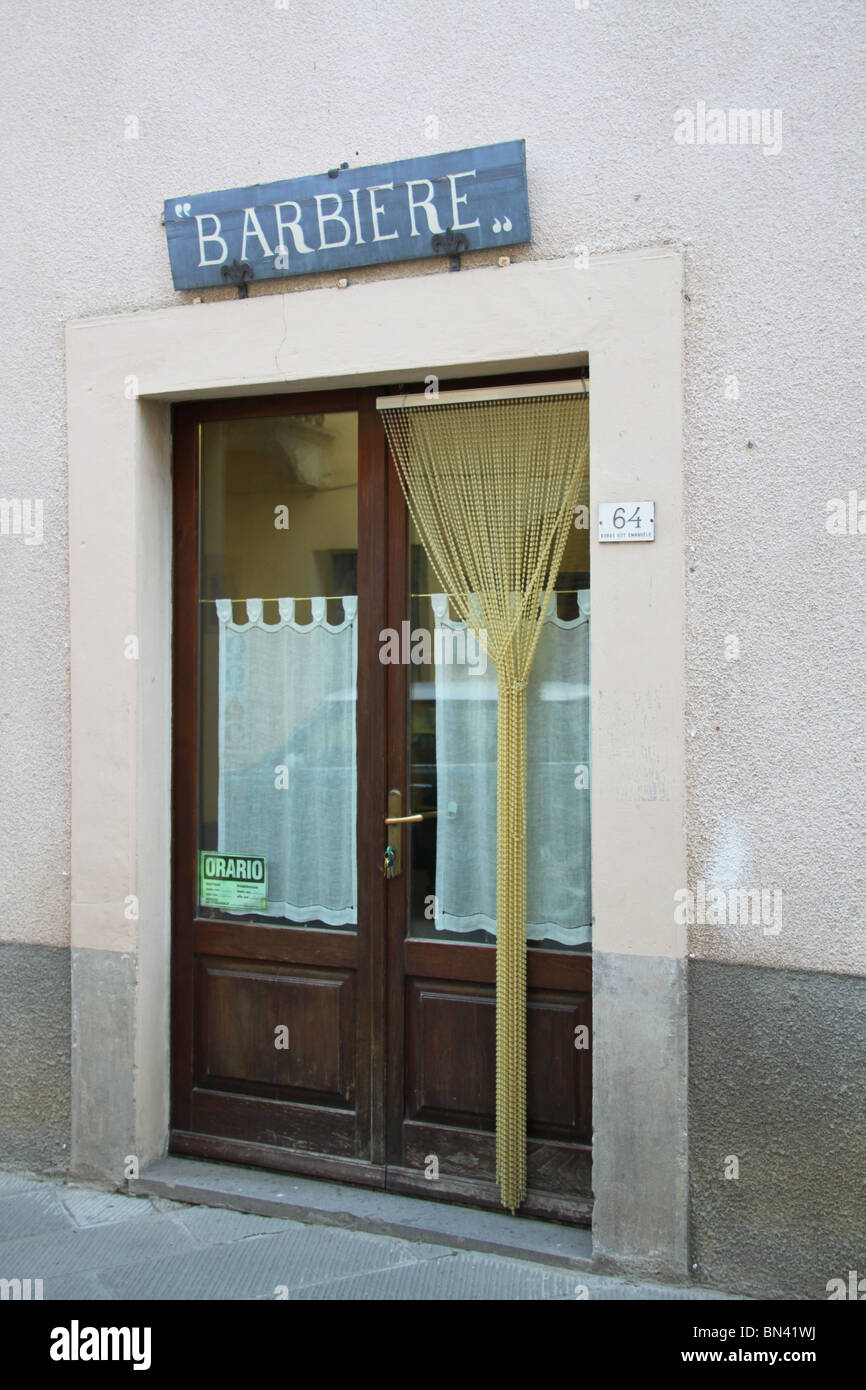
579	387
296	598
308	598
553	591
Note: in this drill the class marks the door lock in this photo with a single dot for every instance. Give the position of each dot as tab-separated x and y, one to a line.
393	865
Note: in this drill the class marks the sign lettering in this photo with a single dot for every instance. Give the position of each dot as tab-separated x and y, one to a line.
235	882
626	521
440	204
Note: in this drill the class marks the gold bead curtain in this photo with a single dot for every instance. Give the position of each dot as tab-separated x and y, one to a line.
492	486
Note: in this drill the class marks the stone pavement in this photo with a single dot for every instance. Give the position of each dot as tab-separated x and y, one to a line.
87	1243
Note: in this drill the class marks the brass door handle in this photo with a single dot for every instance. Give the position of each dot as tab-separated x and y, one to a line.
393	865
393	860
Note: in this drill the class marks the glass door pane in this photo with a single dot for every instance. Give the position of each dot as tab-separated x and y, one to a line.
278	585
453	714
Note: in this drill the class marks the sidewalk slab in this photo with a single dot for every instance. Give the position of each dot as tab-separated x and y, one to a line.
103	1246
20	1182
95	1247
84	1287
32	1213
257	1266
458	1277
87	1207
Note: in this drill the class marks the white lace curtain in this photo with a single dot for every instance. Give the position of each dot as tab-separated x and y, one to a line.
287	755
558	905
288	781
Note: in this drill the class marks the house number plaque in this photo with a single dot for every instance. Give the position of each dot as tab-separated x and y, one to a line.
626	521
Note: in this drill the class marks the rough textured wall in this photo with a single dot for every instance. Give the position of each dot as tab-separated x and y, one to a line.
777	1082
34	1056
228	92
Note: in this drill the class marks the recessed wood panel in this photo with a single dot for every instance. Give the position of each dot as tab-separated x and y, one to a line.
242	1005
452	1052
279	1158
451	1058
312	1129
552	1167
558	1073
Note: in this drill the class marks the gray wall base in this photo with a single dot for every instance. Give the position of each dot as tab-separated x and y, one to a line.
778	1081
639	1115
103	1021
35	1049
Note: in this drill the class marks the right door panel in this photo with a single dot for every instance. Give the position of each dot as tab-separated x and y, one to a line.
442	964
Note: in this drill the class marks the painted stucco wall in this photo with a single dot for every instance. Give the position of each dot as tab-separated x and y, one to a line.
230	92
227	93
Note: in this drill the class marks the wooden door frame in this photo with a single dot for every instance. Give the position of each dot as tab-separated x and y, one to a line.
366	946
383	958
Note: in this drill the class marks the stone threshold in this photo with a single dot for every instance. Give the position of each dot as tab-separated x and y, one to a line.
202	1182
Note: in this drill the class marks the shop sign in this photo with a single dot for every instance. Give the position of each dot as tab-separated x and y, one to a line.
438	204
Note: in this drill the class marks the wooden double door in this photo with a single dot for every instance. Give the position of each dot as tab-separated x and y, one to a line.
333	1025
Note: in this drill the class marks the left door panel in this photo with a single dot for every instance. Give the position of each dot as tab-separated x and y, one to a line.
274	892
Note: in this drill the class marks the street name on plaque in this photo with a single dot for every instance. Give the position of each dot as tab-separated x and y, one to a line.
626	521
440	204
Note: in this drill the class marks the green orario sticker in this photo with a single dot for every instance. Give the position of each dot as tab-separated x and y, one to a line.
234	882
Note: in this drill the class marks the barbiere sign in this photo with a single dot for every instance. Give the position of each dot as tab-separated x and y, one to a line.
438	204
